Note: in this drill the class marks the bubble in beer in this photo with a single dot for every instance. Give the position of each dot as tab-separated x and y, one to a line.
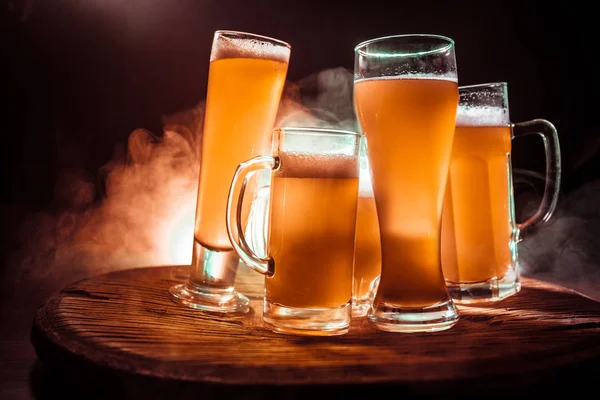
227	47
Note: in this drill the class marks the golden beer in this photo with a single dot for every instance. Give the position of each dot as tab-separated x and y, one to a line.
409	123
241	106
479	230
245	81
478	225
312	231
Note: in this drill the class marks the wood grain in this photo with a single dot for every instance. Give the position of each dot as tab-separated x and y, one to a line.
124	322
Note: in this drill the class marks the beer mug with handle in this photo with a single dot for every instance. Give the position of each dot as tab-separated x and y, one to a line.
405	95
312	222
245	81
479	230
367	248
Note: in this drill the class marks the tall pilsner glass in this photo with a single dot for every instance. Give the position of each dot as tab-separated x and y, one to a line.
406	97
246	77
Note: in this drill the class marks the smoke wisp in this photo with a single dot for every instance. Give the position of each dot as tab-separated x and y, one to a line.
139	209
566	249
148	199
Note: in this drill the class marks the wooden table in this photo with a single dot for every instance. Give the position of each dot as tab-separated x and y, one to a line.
119	334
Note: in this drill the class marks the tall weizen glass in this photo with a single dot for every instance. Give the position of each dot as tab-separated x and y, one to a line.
479	230
246	77
406	96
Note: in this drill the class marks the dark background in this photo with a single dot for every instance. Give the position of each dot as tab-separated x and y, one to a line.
79	76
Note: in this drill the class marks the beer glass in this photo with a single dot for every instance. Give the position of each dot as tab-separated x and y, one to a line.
479	231
312	223
406	95
367	252
367	249
246	77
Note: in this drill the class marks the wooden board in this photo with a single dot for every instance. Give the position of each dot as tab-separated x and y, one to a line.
122	326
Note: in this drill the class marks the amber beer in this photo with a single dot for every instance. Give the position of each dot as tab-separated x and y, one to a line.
241	106
478	220
409	122
312	231
245	81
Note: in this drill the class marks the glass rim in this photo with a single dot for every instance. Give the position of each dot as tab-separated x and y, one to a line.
317	131
482	85
450	43
253	35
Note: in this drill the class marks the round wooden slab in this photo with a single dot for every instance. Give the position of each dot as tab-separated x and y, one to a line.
124	323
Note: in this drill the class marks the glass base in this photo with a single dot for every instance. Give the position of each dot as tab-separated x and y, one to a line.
211	300
490	290
391	318
361	305
305	321
210	284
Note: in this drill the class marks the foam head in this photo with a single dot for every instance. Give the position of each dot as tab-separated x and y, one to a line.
305	165
246	45
435	77
482	116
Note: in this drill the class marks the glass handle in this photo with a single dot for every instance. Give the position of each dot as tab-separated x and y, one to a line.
549	136
234	213
257	228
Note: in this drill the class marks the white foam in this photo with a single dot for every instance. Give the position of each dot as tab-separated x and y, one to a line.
482	116
226	47
451	76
